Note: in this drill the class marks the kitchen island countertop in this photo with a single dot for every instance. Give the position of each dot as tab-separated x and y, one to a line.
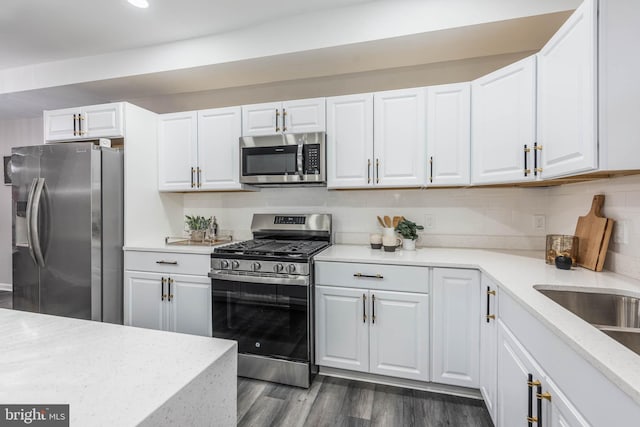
116	375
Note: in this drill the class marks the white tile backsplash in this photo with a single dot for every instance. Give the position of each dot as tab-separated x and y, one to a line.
500	218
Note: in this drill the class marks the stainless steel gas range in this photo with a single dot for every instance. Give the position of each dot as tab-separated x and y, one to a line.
262	292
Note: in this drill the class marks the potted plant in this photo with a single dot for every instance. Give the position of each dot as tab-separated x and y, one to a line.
198	226
409	232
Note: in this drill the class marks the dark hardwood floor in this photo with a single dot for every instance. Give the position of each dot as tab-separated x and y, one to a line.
6	300
340	402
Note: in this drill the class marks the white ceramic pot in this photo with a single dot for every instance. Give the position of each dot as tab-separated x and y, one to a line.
408	245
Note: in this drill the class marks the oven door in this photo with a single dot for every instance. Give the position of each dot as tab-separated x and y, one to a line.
266	318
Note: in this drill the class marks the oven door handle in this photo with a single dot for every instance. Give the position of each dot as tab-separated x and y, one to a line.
267	280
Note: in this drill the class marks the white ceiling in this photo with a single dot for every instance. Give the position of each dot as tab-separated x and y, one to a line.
64	53
36	31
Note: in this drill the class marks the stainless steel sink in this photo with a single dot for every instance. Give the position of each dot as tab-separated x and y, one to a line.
614	314
629	338
599	308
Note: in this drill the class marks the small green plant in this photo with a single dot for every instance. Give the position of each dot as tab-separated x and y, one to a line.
408	229
197	222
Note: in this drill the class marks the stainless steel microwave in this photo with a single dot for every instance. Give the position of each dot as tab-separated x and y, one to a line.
296	158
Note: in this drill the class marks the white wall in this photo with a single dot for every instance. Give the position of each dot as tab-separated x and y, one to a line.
622	203
500	218
486	218
13	133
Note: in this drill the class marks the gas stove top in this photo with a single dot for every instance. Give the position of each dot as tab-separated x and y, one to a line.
276	248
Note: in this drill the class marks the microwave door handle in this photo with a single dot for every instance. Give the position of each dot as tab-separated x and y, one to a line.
300	161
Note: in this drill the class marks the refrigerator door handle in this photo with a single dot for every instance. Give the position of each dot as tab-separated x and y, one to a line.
35	215
29	215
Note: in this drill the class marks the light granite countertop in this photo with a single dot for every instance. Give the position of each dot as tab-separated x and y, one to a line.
114	374
518	273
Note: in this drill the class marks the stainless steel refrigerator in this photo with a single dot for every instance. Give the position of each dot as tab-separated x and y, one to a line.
68	230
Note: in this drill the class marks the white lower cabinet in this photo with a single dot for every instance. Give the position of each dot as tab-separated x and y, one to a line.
380	332
161	292
379	324
456	326
488	376
525	393
177	303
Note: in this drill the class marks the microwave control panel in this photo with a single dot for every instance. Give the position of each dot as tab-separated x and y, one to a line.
311	159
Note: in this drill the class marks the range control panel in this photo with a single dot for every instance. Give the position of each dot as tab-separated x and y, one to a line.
289	220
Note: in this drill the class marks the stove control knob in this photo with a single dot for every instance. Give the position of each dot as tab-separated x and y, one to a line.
235	265
291	268
278	268
256	266
224	264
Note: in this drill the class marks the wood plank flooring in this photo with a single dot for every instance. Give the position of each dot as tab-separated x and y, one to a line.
340	402
6	299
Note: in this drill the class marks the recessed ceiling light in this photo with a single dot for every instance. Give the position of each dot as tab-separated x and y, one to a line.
143	4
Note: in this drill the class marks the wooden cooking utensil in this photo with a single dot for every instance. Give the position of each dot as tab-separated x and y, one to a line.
387	221
381	222
593	232
396	220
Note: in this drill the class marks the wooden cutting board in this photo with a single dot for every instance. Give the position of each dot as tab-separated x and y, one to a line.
593	231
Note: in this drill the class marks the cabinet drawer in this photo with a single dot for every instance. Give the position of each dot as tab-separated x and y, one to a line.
373	276
168	262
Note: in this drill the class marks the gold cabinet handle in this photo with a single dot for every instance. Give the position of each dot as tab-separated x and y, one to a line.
192	172
369	276
491	317
162	294
277	117
377	171
493	292
170	280
199	176
373	308
544	395
368	171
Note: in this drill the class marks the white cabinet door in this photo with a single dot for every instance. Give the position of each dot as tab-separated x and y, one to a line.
561	413
219	148
399	138
61	125
144	301
567	93
262	119
342	328
488	376
449	134
304	115
399	334
177	151
350	141
503	118
456	326
190	302
103	121
513	374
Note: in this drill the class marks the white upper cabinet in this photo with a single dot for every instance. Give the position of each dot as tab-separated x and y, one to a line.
399	138
200	150
567	93
350	141
219	148
177	151
81	123
449	134
304	115
503	113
